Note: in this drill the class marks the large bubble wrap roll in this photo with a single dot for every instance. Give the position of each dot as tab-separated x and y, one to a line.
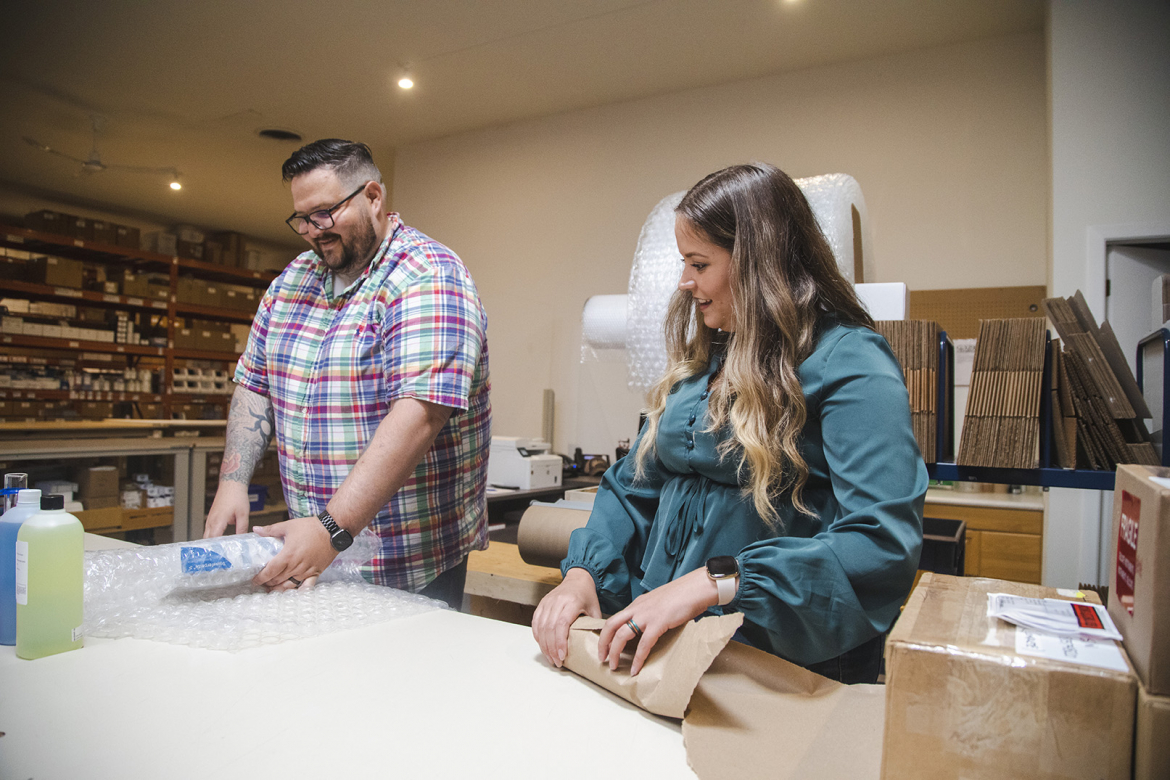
657	267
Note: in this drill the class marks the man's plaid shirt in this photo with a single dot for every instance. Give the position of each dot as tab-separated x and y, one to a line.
411	326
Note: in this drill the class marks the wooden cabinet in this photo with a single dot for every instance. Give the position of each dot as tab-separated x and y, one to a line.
1004	533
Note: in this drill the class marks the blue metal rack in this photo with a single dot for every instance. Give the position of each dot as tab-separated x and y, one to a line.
1047	475
1164	335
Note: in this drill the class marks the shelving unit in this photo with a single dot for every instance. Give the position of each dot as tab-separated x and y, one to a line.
1047	475
80	354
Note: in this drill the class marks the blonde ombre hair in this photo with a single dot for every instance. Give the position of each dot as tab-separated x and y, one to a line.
784	284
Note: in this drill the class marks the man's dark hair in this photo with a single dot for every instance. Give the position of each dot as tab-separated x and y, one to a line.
351	161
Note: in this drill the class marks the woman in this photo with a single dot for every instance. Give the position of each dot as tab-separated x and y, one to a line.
777	473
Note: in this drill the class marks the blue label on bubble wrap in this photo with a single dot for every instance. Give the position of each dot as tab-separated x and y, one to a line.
197	559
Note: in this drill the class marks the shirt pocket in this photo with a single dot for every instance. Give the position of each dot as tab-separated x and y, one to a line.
349	375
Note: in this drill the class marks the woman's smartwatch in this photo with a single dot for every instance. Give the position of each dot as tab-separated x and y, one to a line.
340	538
724	569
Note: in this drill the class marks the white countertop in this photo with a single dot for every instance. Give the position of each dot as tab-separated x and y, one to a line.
432	696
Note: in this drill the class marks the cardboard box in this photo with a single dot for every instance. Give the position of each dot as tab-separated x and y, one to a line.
161	242
1151	752
46	221
1139	571
80	227
104	232
104	519
104	502
146	285
97	482
128	236
961	702
190	250
55	271
233	251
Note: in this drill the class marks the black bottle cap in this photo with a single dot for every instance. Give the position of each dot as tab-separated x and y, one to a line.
52	501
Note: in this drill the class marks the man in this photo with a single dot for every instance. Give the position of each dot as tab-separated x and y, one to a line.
368	361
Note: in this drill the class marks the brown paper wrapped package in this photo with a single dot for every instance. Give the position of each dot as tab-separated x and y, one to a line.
750	714
670	674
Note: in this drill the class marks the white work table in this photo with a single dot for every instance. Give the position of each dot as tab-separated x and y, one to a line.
439	695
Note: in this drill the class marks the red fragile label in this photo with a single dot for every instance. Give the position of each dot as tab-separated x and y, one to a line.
1127	540
1087	617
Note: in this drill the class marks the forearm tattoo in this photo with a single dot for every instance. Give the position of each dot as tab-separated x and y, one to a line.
249	429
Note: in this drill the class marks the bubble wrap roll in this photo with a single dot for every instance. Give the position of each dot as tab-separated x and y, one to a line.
657	267
200	594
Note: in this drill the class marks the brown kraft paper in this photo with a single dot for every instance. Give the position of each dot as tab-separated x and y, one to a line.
671	672
543	536
754	715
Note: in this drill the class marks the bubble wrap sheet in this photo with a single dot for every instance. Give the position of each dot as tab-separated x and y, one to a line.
200	594
656	270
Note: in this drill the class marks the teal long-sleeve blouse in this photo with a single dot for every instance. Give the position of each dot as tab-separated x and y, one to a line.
815	586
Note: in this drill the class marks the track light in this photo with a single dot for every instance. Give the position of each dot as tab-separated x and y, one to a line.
404	79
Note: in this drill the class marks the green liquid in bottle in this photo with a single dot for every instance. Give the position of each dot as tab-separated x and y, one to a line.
50	562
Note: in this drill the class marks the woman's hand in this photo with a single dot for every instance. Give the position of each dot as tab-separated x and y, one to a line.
574	597
655	613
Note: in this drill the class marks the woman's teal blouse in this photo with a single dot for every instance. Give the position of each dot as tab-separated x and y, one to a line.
815	586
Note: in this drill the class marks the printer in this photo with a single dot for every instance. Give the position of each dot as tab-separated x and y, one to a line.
524	464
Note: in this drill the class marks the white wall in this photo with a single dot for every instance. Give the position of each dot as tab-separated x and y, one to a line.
1109	69
949	146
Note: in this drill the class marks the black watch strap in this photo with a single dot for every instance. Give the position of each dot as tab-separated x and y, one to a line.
338	536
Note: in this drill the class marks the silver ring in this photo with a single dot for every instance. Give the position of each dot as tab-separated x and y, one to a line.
295	580
634	627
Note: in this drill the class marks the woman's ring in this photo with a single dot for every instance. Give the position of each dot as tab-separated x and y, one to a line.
634	627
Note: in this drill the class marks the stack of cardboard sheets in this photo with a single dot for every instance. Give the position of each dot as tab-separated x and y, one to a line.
915	344
1002	425
1098	409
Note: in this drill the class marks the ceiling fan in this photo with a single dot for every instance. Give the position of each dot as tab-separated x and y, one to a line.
93	163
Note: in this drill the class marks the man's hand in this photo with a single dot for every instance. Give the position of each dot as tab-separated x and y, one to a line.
574	597
229	508
306	553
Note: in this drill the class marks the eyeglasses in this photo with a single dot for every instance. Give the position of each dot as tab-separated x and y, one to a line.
323	219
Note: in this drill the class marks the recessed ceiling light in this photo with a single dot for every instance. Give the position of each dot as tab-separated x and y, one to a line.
276	134
175	185
406	82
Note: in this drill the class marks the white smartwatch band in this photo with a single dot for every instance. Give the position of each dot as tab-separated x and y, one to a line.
727	587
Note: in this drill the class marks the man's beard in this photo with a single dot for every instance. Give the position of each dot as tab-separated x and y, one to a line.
356	251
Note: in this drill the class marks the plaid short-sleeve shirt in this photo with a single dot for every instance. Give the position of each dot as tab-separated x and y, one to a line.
411	325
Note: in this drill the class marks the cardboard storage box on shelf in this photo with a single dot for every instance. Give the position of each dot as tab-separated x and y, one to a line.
104	232
154	286
1139	571
128	236
1151	752
961	702
96	482
46	221
161	242
54	271
232	248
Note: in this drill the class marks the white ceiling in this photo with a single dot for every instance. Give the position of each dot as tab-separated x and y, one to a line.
187	84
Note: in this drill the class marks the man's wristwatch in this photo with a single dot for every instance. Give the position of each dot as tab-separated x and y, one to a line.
724	569
340	538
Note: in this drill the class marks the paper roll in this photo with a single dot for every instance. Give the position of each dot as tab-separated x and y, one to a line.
603	323
543	536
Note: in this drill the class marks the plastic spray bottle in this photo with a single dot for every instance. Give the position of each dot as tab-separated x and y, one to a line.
50	562
28	503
